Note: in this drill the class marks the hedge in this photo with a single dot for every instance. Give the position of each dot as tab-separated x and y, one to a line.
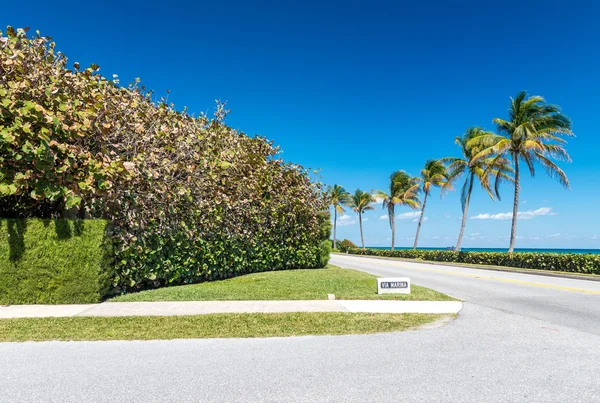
189	198
54	261
566	262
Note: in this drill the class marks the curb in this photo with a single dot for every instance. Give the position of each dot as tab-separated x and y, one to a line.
167	308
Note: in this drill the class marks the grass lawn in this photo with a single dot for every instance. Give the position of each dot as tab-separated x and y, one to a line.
285	285
206	326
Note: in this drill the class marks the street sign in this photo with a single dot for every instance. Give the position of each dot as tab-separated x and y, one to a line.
393	285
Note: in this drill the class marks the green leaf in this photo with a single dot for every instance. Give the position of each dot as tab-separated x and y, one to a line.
4	189
73	201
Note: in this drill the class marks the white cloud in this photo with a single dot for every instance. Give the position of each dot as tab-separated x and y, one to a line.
520	237
417	219
558	235
524	202
475	234
378	199
446	215
534	238
594	236
383	217
435	237
346	220
365	219
406	216
521	215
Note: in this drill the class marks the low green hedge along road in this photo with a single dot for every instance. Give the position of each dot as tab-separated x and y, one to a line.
285	285
555	262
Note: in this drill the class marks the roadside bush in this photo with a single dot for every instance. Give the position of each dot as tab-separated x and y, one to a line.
54	261
189	198
567	262
345	245
325	253
324	234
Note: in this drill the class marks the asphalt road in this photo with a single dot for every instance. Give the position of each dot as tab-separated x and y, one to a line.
555	300
518	338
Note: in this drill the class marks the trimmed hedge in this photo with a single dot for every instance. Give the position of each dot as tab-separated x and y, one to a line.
54	261
567	262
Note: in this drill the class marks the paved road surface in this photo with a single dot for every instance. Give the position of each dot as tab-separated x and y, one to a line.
518	338
556	300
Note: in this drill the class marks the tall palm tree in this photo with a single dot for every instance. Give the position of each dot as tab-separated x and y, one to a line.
532	134
434	173
402	191
485	171
361	202
338	197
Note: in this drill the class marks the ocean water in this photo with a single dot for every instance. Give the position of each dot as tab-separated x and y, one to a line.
541	250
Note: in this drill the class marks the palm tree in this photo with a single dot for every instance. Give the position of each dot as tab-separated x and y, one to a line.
403	191
532	134
483	170
361	202
433	174
338	197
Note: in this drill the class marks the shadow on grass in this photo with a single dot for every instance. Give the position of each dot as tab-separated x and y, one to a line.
16	238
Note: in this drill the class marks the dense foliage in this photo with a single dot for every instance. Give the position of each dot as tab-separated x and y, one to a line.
54	261
345	245
189	198
575	263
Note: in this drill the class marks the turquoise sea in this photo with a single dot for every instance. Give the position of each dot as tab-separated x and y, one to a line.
579	251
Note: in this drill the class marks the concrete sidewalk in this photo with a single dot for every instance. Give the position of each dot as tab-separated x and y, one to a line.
168	308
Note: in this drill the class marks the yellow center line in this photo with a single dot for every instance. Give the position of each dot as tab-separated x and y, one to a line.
504	280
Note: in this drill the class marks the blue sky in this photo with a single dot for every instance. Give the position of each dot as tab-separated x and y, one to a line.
360	89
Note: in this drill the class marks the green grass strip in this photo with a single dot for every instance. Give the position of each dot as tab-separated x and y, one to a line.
206	326
285	285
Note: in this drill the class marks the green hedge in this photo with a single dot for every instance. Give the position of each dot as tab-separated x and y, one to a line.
567	262
54	261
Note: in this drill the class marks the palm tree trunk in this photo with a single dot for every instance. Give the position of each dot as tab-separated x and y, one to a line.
420	221
362	240
513	230
464	217
393	232
334	226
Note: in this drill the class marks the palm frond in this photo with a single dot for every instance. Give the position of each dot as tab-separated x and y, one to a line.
338	197
361	201
557	152
553	170
529	161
